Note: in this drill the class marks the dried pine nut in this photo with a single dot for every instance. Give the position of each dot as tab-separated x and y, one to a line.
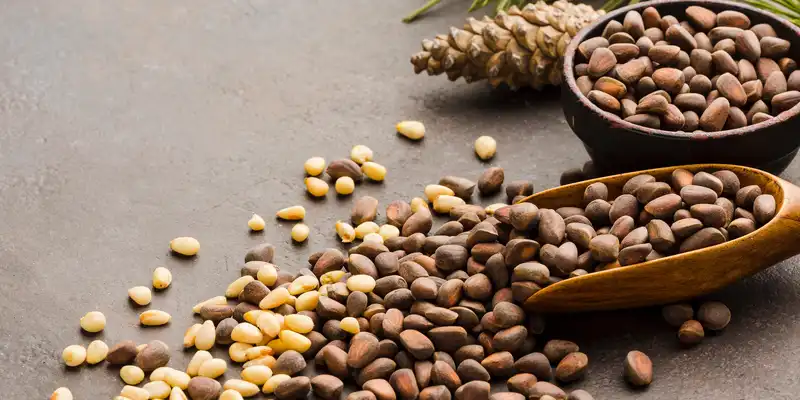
154	318
257	374
236	287
190	335
277	346
316	187
299	323
157	389
361	283
206	336
491	208
197	360
131	374
160	374
269	324
417	203
274	299
213	368
331	277
345	185
444	203
177	394
307	301
295	341
374	171
434	191
350	325
93	322
252	316
245	388
303	284
96	352
365	228
186	246
267	361
485	147
176	378
293	213
388	231
361	154
74	355
218	300
273	382
256	223
238	351
61	393
162	278
413	130
345	231
134	393
258	352
314	166
246	332
140	295
267	274
300	232
230	394
373	237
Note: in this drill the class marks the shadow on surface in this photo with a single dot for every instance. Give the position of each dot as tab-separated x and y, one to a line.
481	97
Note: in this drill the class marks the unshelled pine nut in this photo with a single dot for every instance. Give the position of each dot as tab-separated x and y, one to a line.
96	352
300	232
93	322
345	185
413	130
74	355
236	287
190	335
213	368
162	278
257	374
131	374
256	223
197	360
238	351
293	213
218	300
187	246
245	388
154	318
314	166
206	336
140	295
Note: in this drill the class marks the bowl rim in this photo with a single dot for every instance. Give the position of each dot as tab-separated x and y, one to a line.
618	122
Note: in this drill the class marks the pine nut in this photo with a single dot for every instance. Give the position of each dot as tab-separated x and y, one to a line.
140	347
295	341
186	246
257	374
345	185
205	336
177	394
373	237
417	203
154	318
413	130
256	223
365	228
134	393
331	277
160	374
197	360
190	335
374	171
361	283
485	147
350	325
267	274
443	204
388	231
230	395
238	351
314	166
131	374
316	187
96	352
307	301
218	300
267	361
490	209
278	346
245	388
303	284
236	287
245	332
252	316
178	379
140	295
300	232
258	352
93	322
361	154
213	368
269	324
434	191
74	355
299	323
61	393
274	299
162	278
157	389
273	382
345	231
293	213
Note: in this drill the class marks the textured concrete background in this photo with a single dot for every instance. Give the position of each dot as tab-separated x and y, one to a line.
126	123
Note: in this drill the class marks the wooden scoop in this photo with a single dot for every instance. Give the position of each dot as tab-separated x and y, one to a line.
681	276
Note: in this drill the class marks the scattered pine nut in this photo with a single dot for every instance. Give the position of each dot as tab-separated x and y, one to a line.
314	166
160	374
197	360
434	191
213	368
374	171
177	378
417	203
269	324
267	274
444	203
61	393
316	187
413	130
257	374
134	393
154	318
190	335
345	185
365	228
246	332
205	336
157	389
361	154
74	355
293	213
258	352
231	394
186	246
388	231
485	147
131	375
177	394
96	352
238	351
300	233
345	231
245	388
235	288
162	278
93	322
373	237
218	300
256	223
267	361
140	295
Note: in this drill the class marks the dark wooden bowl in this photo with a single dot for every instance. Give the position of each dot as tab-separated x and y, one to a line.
616	145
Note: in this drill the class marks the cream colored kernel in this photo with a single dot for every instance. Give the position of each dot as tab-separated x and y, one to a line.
267	274
177	394
140	295
444	203
278	346
61	393
154	318
361	283
349	325
213	368
373	237
331	277
217	300
491	208
134	393
197	360
374	171
366	228
246	332
316	187
238	351
258	352
235	288
157	389
434	191
267	361
345	231
303	284
361	154
307	301
388	231
177	378
273	383
485	147
231	394
252	316
206	336
257	374
295	341
186	246
93	322
269	324
299	323
131	374
245	388
274	299
345	185
293	213
314	166
96	352
160	374
190	335
256	223
300	232
413	130
418	203
74	355
162	278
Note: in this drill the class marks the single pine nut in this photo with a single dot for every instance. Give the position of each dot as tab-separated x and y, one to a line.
388	231
299	323
316	187
295	341
190	335
373	237
140	347
246	332
267	361
267	274
157	389
93	322
131	374
197	360
273	383
154	318
345	185
303	284
350	325
277	346
186	246
96	352
140	295
162	278
293	213
230	395
361	154
307	301
245	388
314	166
134	393
74	355
490	209
213	368
257	374
374	171
444	203
361	283
345	231
61	393
206	336
252	316
258	352
177	394
366	227
256	223
219	300
331	277
434	191
274	299
485	147
177	378
269	324
238	351
413	130
236	287
160	374
417	203
300	232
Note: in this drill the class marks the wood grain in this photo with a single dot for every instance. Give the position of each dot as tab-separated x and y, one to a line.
682	276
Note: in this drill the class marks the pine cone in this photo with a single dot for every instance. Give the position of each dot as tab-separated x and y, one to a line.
518	47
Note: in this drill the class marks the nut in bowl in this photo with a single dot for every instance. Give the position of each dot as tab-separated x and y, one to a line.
680	82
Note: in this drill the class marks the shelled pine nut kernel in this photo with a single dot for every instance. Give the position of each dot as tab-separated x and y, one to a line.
93	322
256	223
162	278
140	295
314	166
185	246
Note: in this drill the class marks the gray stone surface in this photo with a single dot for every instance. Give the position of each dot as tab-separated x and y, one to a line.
126	123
